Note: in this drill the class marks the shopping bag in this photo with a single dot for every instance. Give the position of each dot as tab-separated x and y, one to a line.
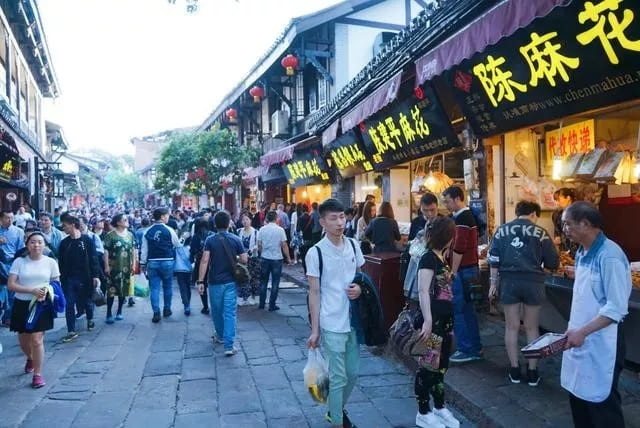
141	289
316	376
98	297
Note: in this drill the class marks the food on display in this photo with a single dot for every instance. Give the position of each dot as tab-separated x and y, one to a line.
545	346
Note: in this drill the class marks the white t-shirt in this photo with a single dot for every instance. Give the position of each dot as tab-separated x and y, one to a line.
21	219
271	236
339	267
34	273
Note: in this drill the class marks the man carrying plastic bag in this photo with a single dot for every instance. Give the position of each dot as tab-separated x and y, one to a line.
329	309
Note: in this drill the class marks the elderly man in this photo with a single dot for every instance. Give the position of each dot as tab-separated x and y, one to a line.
52	235
594	353
11	240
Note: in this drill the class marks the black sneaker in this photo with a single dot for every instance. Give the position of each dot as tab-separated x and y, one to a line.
274	308
166	312
514	374
131	302
533	378
156	317
204	311
346	422
90	325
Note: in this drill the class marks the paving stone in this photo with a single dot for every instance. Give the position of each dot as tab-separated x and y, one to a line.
280	403
375	366
290	353
384	380
64	411
367	415
263	361
157	392
243	420
197	349
101	353
225	363
96	367
270	377
165	341
198	368
233	402
156	418
104	410
163	363
258	348
398	411
197	396
194	420
391	391
282	341
295	422
237	379
294	370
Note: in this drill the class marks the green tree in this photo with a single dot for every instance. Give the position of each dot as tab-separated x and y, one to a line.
124	185
202	159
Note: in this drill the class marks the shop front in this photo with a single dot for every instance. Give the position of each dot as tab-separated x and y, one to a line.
557	104
14	182
309	176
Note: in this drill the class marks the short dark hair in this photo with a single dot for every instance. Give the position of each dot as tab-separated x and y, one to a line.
159	212
582	210
386	210
565	192
440	232
271	216
45	214
4	213
428	199
116	218
35	232
349	211
72	220
528	207
330	206
314	206
222	220
454	192
145	222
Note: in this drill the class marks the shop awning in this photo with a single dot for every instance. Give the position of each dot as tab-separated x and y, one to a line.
330	133
253	172
308	167
502	21
285	153
373	103
273	175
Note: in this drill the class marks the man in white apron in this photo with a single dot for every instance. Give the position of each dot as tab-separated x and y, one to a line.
594	353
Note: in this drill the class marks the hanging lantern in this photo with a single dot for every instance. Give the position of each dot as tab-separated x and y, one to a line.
257	93
231	114
290	63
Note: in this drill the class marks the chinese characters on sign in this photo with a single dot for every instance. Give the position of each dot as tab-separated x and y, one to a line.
576	138
409	130
581	56
306	168
348	156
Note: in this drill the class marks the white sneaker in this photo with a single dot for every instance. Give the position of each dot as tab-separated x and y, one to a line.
447	418
240	301
428	421
251	301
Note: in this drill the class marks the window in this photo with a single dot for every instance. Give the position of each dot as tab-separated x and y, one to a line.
322	92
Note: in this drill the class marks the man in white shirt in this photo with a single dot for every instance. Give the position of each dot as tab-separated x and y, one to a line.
594	355
329	294
272	244
21	217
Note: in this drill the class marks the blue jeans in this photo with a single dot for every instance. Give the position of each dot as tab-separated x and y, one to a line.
184	284
160	272
5	302
273	268
77	293
465	322
223	304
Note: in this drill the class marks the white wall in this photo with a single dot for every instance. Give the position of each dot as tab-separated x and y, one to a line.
400	181
354	43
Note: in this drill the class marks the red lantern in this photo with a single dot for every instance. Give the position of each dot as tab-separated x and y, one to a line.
231	114
290	63
256	92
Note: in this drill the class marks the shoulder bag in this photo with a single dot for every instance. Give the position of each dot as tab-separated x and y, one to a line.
239	271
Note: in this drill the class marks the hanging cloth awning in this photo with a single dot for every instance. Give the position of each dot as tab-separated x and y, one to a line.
373	103
286	153
502	21
330	133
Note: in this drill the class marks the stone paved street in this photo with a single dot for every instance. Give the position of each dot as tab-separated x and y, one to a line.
136	373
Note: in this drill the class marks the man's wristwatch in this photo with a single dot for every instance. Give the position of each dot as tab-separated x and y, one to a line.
200	281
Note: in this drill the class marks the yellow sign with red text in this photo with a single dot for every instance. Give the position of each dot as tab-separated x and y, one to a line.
576	138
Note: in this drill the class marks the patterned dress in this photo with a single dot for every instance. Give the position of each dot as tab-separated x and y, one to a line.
121	260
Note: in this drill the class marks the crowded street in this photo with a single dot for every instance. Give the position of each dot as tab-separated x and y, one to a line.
327	213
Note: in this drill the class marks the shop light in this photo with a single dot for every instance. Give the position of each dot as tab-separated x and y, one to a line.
304	194
368	186
636	170
556	166
317	189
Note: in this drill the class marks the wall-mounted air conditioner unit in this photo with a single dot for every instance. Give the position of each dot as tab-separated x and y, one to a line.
279	123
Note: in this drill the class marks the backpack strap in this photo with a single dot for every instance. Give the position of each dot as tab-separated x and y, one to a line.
319	263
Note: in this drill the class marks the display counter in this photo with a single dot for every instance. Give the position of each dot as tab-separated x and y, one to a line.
384	271
556	309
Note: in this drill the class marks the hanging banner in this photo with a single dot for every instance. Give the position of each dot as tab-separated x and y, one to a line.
411	129
579	57
577	138
306	168
348	155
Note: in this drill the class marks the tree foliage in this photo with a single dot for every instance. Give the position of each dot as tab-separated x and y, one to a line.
124	185
209	160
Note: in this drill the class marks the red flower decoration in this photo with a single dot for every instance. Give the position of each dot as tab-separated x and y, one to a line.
418	93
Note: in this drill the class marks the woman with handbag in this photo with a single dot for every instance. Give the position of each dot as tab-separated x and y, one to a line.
436	327
120	254
249	290
201	232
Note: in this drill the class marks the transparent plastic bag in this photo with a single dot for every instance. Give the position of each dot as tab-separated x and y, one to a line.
316	376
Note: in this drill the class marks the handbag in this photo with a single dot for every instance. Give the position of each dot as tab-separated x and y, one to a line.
98	297
239	271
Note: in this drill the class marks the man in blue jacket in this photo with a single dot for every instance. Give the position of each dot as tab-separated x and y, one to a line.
156	260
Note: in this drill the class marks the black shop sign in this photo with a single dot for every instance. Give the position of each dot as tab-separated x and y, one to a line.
410	129
307	168
579	57
348	155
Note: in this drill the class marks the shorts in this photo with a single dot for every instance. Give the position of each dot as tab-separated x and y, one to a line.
20	313
514	291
